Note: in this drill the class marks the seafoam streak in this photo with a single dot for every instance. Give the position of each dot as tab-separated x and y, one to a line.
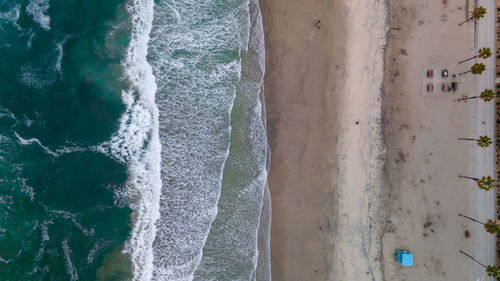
73	274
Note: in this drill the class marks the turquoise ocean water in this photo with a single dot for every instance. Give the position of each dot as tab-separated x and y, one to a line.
132	141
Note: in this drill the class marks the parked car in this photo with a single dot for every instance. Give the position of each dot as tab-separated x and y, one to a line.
444	73
454	86
430	73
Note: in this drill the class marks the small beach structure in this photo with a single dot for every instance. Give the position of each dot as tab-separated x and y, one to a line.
445	87
430	87
404	257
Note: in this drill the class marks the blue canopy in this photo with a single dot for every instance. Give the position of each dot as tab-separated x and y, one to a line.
405	258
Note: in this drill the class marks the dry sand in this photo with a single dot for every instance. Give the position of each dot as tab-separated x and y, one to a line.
330	195
323	78
424	156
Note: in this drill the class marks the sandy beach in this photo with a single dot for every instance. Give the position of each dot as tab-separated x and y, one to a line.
364	160
324	126
424	156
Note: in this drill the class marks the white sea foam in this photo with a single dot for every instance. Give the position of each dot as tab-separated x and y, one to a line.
196	57
32	76
38	10
74	218
30	38
196	52
70	269
44	229
98	245
136	143
36	141
6	113
69	149
237	247
28	122
60	52
11	16
56	153
28	190
46	70
122	196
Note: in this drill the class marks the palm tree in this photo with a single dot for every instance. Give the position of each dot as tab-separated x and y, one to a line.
477	14
482	141
492	226
477	68
484	53
486	95
484	183
492	270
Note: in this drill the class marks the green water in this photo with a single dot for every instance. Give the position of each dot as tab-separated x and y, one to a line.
61	216
137	127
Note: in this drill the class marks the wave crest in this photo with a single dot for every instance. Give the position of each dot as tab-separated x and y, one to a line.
136	142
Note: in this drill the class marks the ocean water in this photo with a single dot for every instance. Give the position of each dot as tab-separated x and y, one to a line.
132	141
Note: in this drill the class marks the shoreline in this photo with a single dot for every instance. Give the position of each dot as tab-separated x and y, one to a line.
256	37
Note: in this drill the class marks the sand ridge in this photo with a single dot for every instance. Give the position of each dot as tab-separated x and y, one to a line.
359	189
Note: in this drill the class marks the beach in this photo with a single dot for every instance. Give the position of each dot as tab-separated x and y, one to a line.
424	157
364	160
324	128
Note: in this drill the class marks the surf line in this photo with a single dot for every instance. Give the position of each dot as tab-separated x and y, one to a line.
137	143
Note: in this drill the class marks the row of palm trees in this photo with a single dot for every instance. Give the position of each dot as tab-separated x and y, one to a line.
485	183
478	68
484	53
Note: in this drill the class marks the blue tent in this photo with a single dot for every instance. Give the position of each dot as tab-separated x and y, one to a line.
405	258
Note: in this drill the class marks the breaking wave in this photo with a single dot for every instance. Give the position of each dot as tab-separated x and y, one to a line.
136	143
38	10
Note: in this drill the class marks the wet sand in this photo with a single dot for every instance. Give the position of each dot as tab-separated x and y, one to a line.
324	127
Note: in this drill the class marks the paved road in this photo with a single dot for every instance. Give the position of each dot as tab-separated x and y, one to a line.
484	202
